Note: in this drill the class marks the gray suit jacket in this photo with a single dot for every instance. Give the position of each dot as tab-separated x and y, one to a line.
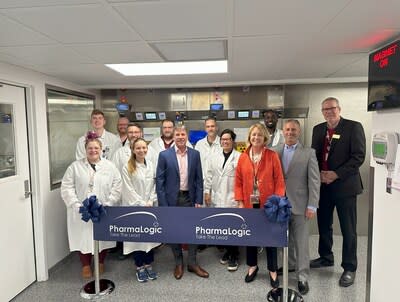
302	179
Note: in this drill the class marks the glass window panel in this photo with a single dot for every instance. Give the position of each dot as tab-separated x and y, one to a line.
68	117
7	144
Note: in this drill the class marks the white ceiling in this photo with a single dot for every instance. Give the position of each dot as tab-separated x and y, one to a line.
264	41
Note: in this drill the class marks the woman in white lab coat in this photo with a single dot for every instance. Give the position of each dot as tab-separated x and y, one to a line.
138	189
219	186
89	176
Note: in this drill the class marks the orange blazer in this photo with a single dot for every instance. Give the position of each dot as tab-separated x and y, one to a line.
269	175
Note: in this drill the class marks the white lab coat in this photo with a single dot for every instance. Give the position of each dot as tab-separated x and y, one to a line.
279	139
121	156
76	187
110	143
156	146
139	190
220	181
207	152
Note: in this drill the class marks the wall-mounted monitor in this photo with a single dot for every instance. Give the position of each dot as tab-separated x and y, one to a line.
122	107
216	107
384	78
150	116
243	114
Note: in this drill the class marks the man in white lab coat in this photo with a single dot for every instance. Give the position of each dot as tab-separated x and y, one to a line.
276	138
164	142
110	142
122	155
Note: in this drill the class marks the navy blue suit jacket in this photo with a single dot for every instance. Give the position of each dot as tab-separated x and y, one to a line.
168	178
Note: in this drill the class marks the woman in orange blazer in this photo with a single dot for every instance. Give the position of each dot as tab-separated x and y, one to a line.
258	176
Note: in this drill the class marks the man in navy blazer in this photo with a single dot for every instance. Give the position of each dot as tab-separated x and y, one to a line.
340	148
179	183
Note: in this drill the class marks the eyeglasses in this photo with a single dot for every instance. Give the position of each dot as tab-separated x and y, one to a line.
328	109
226	139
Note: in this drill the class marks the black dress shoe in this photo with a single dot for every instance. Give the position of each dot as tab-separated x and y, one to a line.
347	278
280	271
303	287
321	262
251	277
274	283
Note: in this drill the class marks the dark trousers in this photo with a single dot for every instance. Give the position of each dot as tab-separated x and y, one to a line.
86	259
233	251
272	257
184	201
346	208
142	258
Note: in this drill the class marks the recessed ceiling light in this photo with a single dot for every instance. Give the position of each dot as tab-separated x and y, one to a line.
170	68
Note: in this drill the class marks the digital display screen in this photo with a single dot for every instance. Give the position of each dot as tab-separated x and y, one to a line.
243	114
122	107
150	116
379	149
216	107
384	78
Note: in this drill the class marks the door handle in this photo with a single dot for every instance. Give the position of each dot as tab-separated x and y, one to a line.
28	192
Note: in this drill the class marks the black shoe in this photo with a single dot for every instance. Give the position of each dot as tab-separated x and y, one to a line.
280	271
347	278
224	259
303	287
251	277
232	264
321	262
274	283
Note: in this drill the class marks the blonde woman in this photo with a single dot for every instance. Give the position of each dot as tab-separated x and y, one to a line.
138	189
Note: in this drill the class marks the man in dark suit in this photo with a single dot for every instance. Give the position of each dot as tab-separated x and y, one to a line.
179	183
340	148
300	168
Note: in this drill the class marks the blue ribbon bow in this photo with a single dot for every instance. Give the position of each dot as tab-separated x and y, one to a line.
278	209
92	209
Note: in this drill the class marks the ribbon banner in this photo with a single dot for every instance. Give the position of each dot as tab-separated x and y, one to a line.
215	226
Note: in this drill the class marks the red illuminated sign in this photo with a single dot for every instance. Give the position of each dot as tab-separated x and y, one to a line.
382	57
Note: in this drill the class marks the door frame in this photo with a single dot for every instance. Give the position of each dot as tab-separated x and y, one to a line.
38	217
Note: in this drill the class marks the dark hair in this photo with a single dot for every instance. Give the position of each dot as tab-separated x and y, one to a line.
210	118
92	136
270	111
230	132
167	120
131	124
97	112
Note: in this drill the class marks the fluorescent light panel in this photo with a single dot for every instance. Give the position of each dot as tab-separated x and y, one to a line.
170	68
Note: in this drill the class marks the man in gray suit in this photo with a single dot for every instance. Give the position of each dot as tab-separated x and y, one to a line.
300	167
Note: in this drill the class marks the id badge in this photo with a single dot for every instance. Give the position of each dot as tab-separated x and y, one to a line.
255	199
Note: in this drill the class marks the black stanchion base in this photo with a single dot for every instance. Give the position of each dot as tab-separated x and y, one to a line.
89	290
275	295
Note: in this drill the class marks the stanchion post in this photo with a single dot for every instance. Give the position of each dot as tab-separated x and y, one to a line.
96	267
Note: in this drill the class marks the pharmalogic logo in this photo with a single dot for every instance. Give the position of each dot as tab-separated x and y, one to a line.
129	230
218	231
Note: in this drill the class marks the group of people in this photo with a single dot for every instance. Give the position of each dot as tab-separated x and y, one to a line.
170	172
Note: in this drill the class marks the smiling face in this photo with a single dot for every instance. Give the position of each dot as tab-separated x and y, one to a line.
98	121
180	138
270	120
122	125
139	148
167	129
257	138
331	111
93	151
226	142
291	132
133	133
211	128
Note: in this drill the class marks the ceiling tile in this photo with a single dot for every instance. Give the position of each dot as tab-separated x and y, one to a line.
33	3
358	68
75	24
260	17
14	34
176	19
45	54
186	51
132	52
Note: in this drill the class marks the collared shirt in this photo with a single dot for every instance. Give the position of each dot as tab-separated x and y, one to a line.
287	156
182	158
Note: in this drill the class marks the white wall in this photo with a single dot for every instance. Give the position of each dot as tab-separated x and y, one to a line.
386	224
48	208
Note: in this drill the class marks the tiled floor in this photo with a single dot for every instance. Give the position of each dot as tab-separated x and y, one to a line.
65	282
